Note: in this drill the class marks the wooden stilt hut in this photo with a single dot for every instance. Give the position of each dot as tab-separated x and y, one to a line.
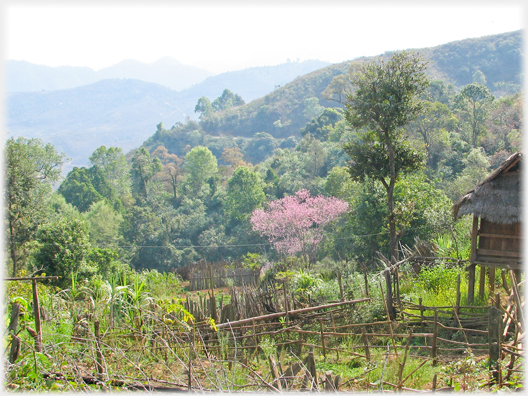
496	234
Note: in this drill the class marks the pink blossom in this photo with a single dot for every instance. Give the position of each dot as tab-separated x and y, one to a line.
296	223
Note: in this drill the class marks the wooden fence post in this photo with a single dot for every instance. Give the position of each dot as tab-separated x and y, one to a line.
422	319
492	280
471	283
99	355
12	329
495	324
365	341
390	305
274	373
365	277
473	257
482	281
322	337
434	347
517	297
341	293
311	375
457	309
36	312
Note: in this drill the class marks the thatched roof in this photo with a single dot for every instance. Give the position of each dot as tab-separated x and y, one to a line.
496	198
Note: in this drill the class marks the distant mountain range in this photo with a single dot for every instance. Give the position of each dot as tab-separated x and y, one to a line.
125	112
22	76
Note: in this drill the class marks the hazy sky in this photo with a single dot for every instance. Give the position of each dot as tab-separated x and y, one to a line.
221	36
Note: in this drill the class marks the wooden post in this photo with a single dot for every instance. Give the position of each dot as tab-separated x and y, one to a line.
365	277
471	283
322	337
472	259
286	302
300	342
255	338
12	329
422	319
14	352
99	354
457	309
402	364
517	297
365	341
15	314
397	285
36	312
504	281
518	274
334	330
495	323
311	375
492	280
274	373
191	357
434	347
390	305
341	293
482	281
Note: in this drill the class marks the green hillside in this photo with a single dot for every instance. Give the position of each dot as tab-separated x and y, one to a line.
498	57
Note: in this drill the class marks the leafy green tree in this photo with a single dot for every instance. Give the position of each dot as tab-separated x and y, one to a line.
83	187
473	104
321	126
200	165
433	127
64	248
260	147
204	107
115	168
143	170
31	169
504	126
339	185
341	85
476	168
245	194
227	100
387	97
338	88
421	211
149	239
438	91
314	156
312	108
104	225
212	243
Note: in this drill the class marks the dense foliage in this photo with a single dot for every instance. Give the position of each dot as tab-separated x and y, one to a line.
187	195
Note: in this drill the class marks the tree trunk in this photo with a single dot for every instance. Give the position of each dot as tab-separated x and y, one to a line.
390	200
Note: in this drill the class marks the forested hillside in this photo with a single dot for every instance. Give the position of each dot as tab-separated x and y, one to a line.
497	59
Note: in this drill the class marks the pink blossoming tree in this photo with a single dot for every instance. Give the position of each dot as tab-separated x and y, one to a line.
297	223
